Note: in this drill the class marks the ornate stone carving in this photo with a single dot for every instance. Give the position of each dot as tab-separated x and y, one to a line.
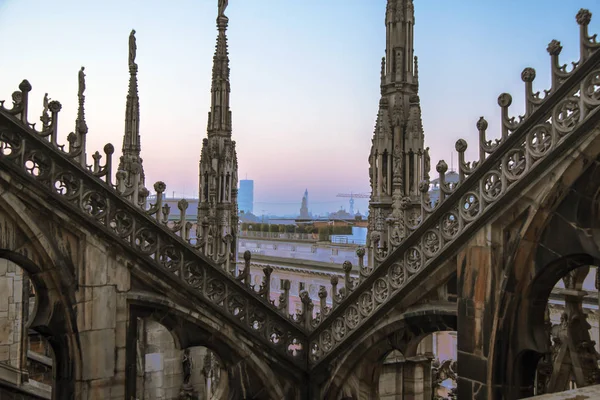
476	196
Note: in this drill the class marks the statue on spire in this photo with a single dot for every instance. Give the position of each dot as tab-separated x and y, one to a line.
81	81
132	48
222	7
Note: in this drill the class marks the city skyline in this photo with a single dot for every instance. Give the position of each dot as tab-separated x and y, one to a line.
304	101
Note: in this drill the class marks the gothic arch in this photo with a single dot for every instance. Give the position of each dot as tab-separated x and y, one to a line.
557	237
400	331
24	243
248	376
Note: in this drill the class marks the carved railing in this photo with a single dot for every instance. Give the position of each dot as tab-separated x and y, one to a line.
551	124
120	211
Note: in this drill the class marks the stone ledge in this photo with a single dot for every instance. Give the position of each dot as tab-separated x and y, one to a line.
586	393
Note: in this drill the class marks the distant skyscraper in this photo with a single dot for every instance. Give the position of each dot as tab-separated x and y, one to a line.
304	206
246	196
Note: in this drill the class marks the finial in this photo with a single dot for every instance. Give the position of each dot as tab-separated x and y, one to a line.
441	167
583	17
528	75
132	49
482	124
461	145
25	86
554	47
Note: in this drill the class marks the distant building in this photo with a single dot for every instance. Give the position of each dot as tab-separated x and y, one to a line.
434	189
304	207
246	196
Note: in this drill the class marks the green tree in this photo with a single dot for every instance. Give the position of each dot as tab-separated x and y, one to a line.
324	233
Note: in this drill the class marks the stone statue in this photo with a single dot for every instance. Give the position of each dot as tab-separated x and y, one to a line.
187	366
81	82
222	7
45	103
427	162
132	48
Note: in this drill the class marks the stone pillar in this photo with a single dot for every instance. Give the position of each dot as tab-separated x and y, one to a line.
102	320
476	272
417	378
391	378
13	317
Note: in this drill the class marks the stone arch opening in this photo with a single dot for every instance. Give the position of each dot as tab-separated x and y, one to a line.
388	353
214	364
26	356
552	236
426	367
167	371
50	272
566	355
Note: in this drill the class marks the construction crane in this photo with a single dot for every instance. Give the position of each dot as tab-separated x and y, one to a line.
352	197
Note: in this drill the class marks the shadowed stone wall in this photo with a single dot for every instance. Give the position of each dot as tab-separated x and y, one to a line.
12	322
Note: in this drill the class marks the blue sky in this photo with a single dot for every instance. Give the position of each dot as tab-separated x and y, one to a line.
304	75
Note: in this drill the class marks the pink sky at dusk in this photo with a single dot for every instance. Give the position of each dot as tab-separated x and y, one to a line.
304	76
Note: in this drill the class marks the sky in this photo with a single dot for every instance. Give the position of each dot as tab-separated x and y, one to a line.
304	80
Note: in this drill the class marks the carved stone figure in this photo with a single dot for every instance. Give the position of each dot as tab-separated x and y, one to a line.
187	366
81	82
132	48
222	7
45	103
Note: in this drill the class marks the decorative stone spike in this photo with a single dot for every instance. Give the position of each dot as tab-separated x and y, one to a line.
554	48
144	193
96	167
441	169
284	298
532	100
155	209
265	289
360	253
461	147
109	150
25	88
323	301
587	43
348	284
244	275
54	107
504	101
307	309
334	291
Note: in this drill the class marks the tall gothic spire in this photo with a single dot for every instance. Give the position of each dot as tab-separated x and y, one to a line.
217	205
81	128
400	21
398	160
131	139
219	117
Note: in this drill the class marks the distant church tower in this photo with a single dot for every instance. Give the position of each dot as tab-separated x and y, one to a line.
217	206
398	160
